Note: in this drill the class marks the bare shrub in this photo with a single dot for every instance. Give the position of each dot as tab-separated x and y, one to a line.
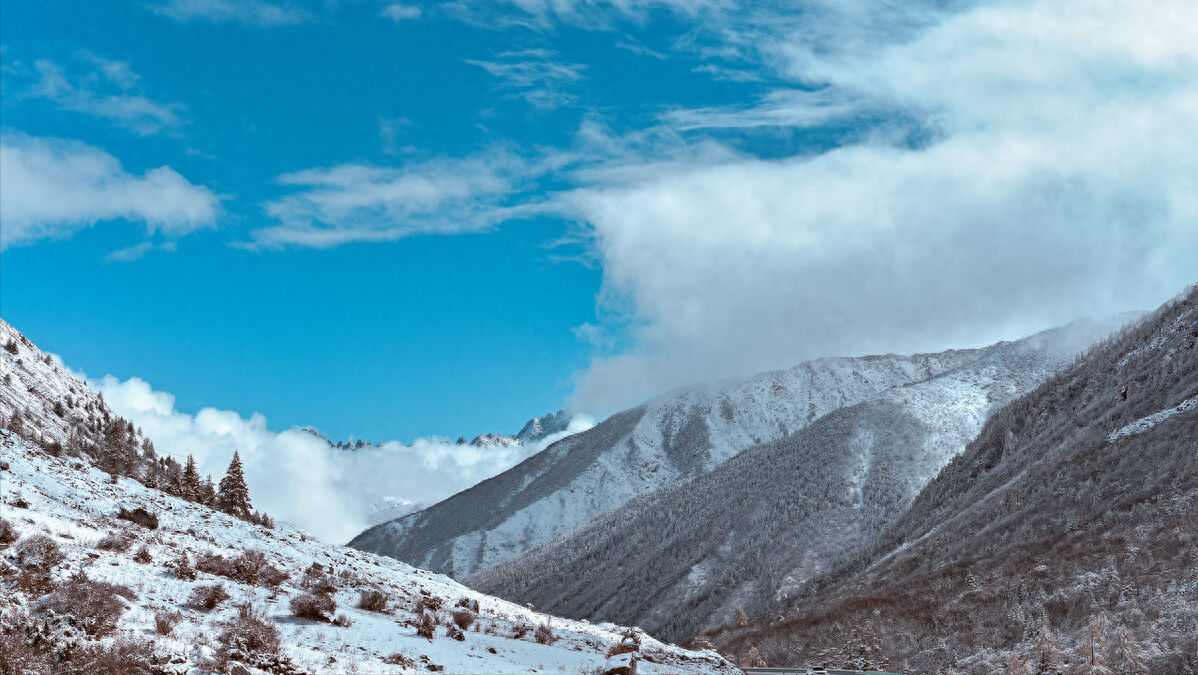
143	555
455	633
183	568
127	655
314	606
95	605
247	636
8	533
429	602
39	552
373	600
343	621
34	583
250	568
521	630
116	541
463	618
139	516
165	621
544	635
317	580
397	659
208	596
427	626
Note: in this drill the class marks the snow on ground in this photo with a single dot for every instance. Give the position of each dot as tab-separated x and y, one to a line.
1145	423
75	504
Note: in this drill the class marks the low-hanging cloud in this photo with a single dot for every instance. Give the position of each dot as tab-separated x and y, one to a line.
297	476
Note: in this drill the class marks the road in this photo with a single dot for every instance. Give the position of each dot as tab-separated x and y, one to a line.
803	671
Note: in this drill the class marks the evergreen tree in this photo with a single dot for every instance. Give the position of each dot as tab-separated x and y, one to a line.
208	493
233	496
1047	656
1126	655
1090	652
191	488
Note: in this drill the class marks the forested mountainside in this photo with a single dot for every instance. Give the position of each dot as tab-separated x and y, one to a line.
677	435
760	527
1066	533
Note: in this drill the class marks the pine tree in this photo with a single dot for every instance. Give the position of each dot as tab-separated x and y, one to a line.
208	492
742	619
1015	666
1047	656
233	497
1090	652
1126	655
191	487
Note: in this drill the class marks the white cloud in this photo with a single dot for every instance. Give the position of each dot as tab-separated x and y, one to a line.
400	12
358	202
52	188
534	75
296	476
1058	181
246	12
99	87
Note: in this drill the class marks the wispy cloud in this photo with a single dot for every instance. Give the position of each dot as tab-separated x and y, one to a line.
535	76
359	202
52	188
400	12
245	12
103	88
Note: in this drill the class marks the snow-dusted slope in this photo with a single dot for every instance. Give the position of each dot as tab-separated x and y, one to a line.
39	388
761	526
678	435
75	505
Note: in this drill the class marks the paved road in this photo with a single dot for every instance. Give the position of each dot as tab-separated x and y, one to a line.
803	671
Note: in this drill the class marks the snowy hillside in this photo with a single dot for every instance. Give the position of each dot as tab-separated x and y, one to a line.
49	602
677	435
761	526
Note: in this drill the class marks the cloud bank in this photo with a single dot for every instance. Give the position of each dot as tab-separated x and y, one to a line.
52	188
297	477
1041	168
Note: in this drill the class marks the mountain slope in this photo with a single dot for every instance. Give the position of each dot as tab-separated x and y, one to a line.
677	435
761	526
75	507
1076	500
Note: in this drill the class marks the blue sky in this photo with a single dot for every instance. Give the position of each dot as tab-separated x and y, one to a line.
398	220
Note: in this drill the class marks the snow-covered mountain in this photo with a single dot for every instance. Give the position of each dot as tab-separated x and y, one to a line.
678	435
111	592
761	526
1067	530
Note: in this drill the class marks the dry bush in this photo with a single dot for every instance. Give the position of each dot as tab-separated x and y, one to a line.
429	602
463	618
208	596
343	621
247	636
95	605
314	606
317	581
143	555
165	620
34	583
140	516
397	659
38	552
116	541
427	626
373	600
8	533
183	568
521	630
250	568
127	655
544	635
455	633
